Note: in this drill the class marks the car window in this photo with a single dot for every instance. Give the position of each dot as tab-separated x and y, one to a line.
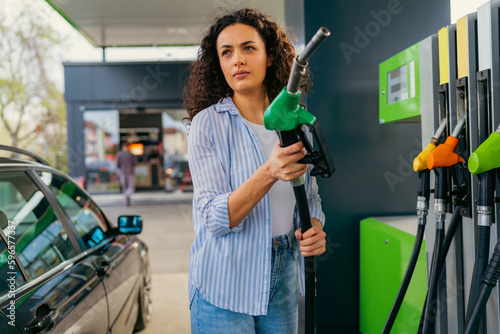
86	216
8	268
31	226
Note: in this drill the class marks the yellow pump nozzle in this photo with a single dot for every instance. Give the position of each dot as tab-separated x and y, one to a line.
420	162
444	155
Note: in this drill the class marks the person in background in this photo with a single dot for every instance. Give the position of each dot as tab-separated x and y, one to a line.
125	162
244	267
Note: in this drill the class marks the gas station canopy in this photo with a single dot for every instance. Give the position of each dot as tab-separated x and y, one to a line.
114	23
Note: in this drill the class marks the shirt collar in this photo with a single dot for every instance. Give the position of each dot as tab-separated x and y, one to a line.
226	105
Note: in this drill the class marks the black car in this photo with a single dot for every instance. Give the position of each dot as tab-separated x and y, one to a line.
63	267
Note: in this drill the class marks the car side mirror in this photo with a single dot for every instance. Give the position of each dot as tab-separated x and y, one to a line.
129	224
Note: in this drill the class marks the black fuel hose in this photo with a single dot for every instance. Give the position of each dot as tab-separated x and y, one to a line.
423	191
489	281
427	319
424	183
288	138
450	233
428	315
309	263
484	200
479	267
441	183
406	280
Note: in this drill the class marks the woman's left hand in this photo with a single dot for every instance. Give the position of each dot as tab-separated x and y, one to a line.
313	241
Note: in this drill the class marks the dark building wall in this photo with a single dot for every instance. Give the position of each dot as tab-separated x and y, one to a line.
106	86
373	162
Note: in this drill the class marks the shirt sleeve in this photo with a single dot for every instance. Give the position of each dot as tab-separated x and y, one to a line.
210	178
313	198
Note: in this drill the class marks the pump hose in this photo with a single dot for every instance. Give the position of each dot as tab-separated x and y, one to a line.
485	189
428	313
490	280
485	199
428	317
309	263
423	183
479	267
423	190
450	233
406	280
288	138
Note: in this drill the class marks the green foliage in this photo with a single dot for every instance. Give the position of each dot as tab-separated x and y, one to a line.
32	108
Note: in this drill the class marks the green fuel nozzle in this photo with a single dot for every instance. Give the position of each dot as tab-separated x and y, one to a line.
487	156
285	113
286	116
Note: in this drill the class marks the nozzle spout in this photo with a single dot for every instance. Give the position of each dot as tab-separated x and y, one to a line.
440	130
459	127
300	62
313	44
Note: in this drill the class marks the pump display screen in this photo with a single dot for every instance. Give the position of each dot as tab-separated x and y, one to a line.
397	85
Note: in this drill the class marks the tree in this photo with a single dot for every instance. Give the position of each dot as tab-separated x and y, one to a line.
32	108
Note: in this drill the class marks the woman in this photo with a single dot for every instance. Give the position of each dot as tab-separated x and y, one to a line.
243	268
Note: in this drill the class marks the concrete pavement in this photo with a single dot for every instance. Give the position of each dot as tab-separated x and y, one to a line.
168	232
144	198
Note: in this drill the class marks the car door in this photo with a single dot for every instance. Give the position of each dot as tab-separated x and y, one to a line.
52	285
118	259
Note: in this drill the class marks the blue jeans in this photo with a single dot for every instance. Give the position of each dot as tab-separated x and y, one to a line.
282	311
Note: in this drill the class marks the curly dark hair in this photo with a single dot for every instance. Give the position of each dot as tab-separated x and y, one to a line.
206	83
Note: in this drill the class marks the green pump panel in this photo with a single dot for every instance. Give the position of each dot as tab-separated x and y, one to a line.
399	83
385	248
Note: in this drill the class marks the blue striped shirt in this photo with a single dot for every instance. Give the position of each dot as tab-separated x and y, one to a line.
231	267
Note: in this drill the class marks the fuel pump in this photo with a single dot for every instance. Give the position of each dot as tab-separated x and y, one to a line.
483	162
439	159
408	82
449	158
469	102
484	203
488	116
434	306
288	118
423	194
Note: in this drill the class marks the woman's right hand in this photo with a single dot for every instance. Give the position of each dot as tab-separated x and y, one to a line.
283	165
